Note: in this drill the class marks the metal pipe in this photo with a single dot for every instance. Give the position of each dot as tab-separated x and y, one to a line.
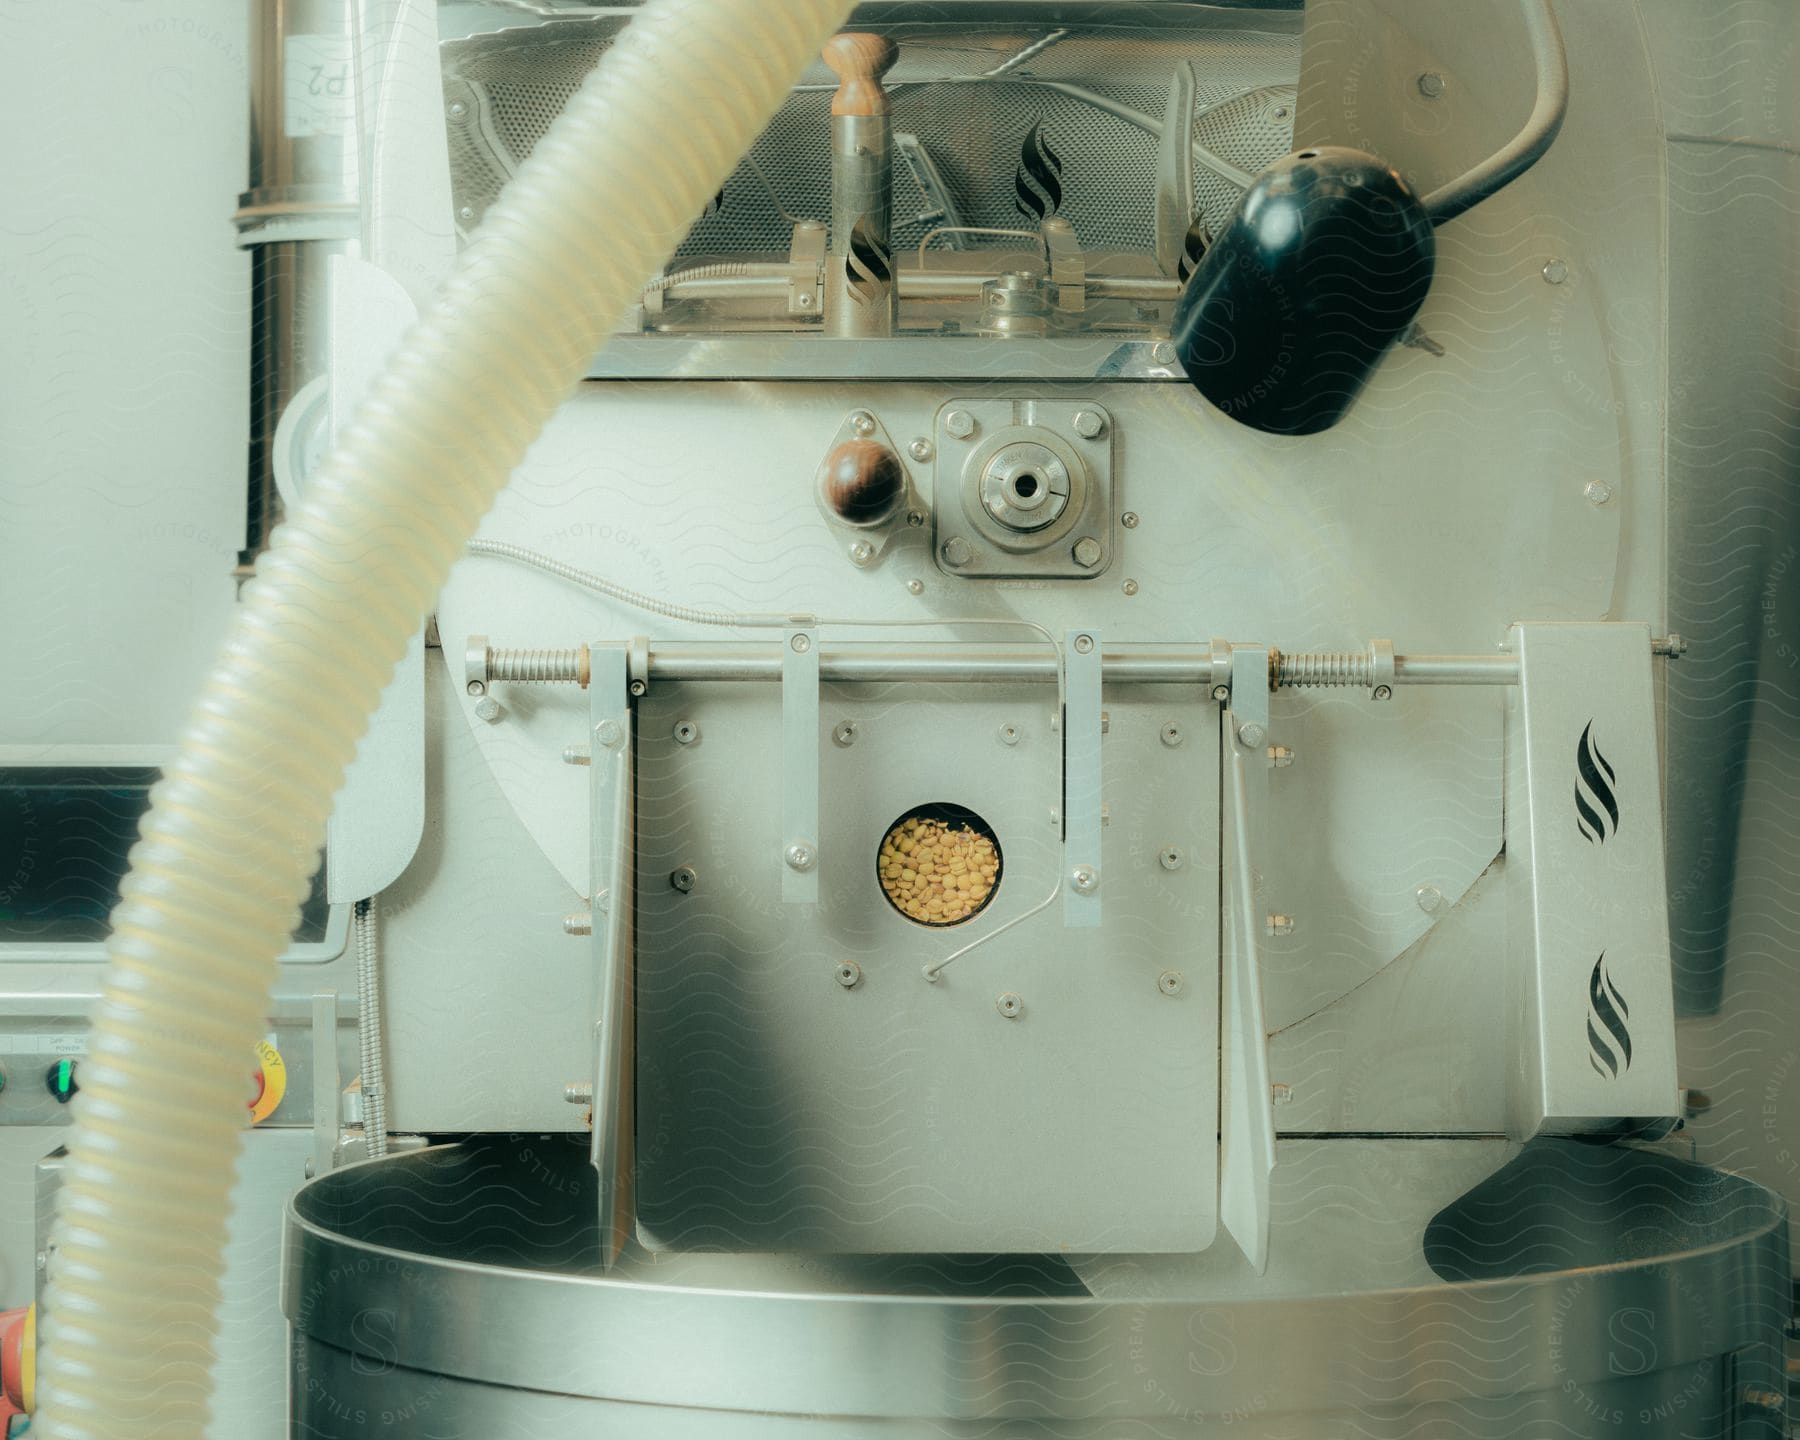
770	281
955	663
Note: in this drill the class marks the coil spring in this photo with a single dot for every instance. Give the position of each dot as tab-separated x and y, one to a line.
534	667
1325	667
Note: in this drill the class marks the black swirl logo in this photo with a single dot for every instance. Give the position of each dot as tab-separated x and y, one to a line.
1609	1038
1596	806
1038	180
870	268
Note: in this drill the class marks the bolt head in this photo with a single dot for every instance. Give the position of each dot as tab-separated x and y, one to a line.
1085	878
686	732
1431	85
915	518
801	857
1382	692
861	552
1430	898
1171	858
863	423
848	973
1171	735
610	733
1009	1004
1169	982
956	552
1252	736
1087	552
1090	424
1009	734
1221	693
959	423
801	644
915	587
1163	353
488	708
1130	587
577	755
578	924
921	450
1084	644
682	879
1598	492
1129	519
845	734
1556	271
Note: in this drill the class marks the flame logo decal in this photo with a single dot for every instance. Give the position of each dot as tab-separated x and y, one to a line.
1596	806
869	267
1609	1039
1038	180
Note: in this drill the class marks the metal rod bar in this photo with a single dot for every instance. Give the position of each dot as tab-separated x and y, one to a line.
954	662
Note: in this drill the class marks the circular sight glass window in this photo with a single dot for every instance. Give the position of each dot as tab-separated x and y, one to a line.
939	864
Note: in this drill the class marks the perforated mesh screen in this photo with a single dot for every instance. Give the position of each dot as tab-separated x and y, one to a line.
511	84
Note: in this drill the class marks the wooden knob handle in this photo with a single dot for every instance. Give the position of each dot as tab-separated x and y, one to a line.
860	61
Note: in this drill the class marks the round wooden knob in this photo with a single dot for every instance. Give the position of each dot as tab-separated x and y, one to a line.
863	482
860	61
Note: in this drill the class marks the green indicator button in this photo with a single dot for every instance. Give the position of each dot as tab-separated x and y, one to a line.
61	1081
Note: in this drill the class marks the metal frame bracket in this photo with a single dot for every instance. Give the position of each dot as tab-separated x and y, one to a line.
1083	725
800	767
610	866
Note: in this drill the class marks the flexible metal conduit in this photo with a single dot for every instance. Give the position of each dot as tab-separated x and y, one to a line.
1527	147
234	827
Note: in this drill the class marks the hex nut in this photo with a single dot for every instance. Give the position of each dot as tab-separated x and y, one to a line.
1087	552
959	423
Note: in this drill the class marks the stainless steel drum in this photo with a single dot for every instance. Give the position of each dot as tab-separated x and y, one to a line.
1422	1288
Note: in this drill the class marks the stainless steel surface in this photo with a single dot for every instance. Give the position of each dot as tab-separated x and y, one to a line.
904	1115
1590	1012
1569	1290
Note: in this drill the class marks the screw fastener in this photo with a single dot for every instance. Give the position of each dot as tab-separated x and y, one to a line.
956	552
488	708
1129	519
801	857
1090	424
1430	898
1009	734
577	755
1598	492
1171	858
1009	1004
1251	735
1382	692
1087	552
682	879
610	733
863	423
1279	924
960	423
1085	878
861	552
1171	734
921	450
1555	272
1163	353
1280	756
686	732
1431	85
915	587
1169	982
1084	644
578	924
848	973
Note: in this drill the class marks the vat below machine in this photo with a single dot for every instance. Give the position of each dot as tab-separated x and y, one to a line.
467	1280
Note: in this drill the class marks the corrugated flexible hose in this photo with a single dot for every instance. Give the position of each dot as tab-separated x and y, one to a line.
235	825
